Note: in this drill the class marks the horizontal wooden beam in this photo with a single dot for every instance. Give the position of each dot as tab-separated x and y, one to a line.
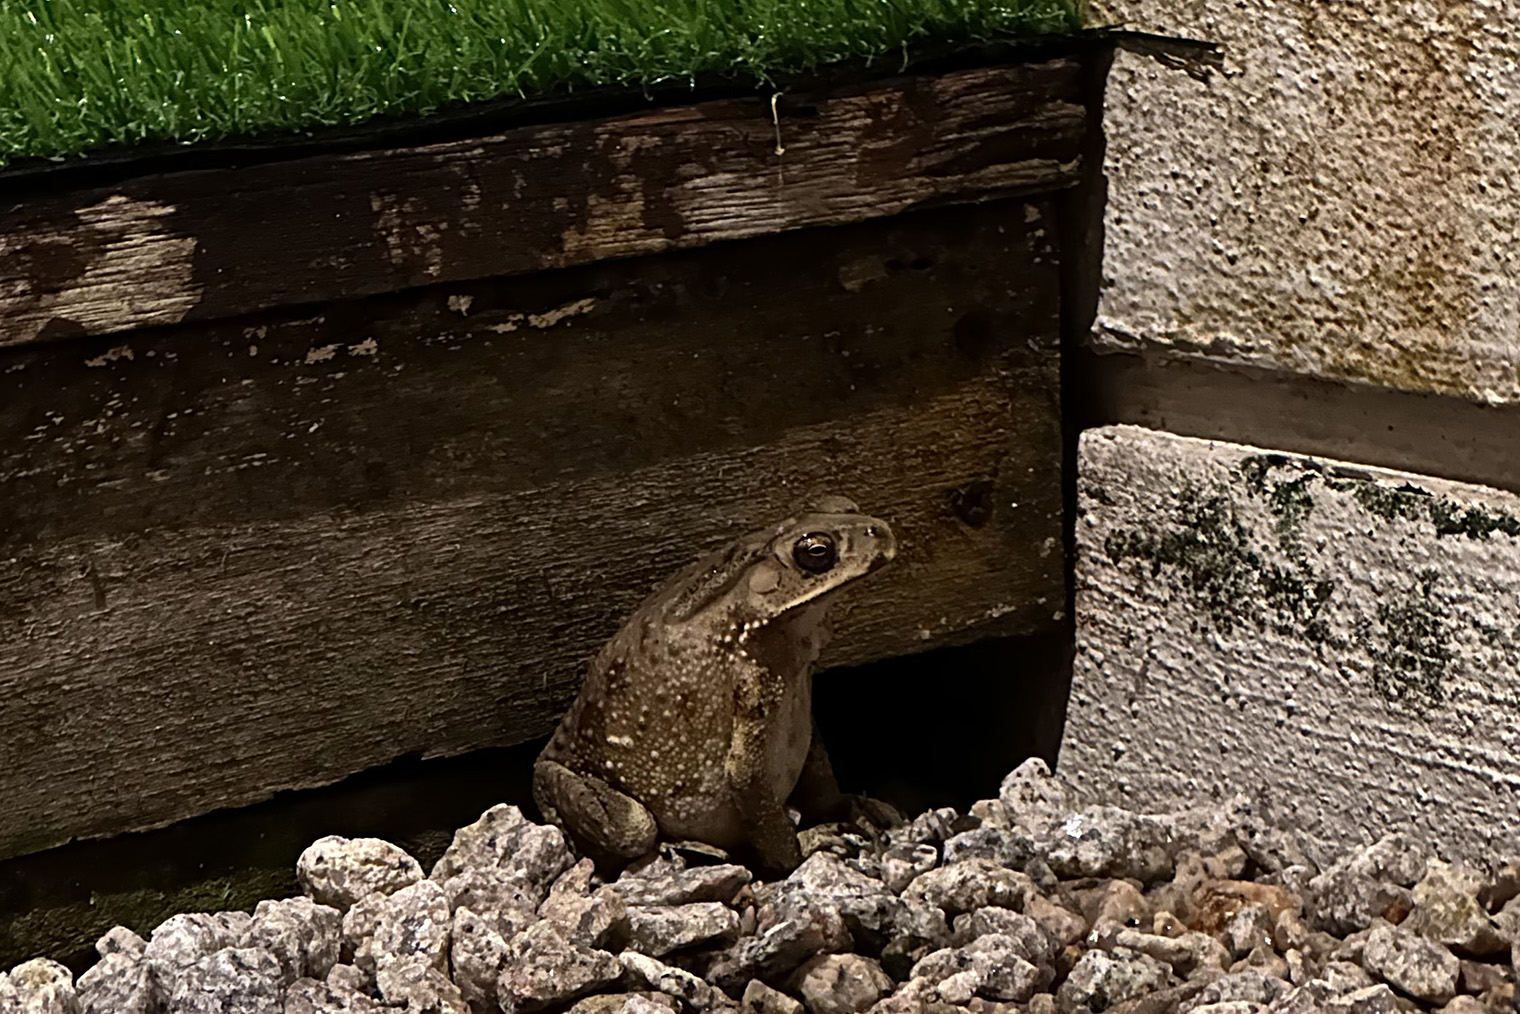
267	553
214	243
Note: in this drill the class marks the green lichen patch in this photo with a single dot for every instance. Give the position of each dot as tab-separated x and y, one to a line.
1296	594
1288	500
1210	552
1474	522
1390	503
1207	547
1239	567
1410	643
1408	502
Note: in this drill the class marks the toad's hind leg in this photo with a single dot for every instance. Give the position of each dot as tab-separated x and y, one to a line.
610	826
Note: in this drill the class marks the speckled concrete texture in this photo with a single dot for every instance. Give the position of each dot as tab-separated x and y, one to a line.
1340	200
1341	643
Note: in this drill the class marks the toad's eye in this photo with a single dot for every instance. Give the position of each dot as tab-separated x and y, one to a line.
815	553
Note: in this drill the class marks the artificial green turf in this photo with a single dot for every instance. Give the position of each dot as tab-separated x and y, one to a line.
77	75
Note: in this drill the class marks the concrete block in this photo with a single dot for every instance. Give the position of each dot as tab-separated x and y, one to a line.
1339	642
1341	200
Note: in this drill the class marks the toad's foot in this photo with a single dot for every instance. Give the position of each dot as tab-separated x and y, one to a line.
867	812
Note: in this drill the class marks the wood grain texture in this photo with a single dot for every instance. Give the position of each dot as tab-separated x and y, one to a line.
210	244
267	553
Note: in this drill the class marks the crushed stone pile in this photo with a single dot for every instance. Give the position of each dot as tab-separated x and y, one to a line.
1028	903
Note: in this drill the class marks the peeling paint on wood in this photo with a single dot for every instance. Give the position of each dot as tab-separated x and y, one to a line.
83	266
1296	629
266	553
210	244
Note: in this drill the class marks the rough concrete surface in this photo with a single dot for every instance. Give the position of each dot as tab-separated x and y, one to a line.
1339	200
1338	642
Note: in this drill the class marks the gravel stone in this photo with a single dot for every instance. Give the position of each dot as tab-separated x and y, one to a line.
119	983
990	967
1269	846
233	980
120	940
183	939
477	954
1006	846
1247	986
1466	1005
416	984
659	886
308	996
504	839
870	910
1365	885
543	967
1105	841
1412	964
43	986
900	864
1118	908
1290	931
915	997
347	979
412	923
788	931
920	920
1032	797
1101	979
1172	950
1002	970
1251	927
1447	910
1479	977
305	937
668	979
337	871
656	930
1060	922
1502	885
1346	977
840	983
1377	999
762	999
969	885
931	827
627	1003
1028	939
590	918
509	901
359	924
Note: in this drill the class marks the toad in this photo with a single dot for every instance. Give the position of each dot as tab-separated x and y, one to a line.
695	721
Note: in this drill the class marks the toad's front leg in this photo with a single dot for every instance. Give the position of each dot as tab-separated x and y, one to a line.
762	811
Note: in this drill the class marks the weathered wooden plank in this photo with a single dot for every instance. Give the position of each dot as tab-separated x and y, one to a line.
268	553
209	244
